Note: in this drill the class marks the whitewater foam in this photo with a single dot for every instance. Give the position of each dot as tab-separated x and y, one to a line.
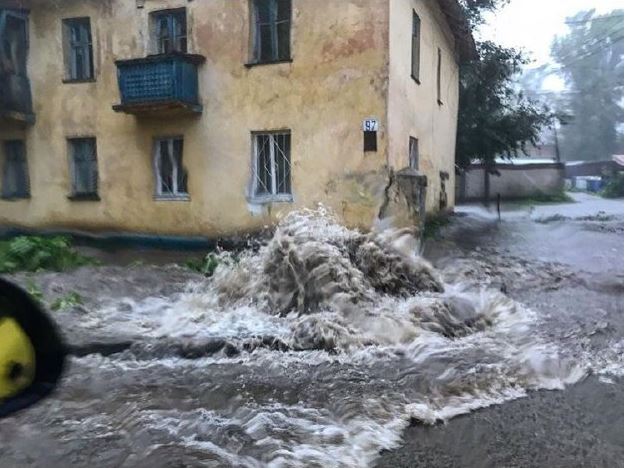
318	348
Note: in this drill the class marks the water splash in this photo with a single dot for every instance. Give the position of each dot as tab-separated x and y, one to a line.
317	348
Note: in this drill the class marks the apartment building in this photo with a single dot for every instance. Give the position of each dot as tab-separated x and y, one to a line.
216	117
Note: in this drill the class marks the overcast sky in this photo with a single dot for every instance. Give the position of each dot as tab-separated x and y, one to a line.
532	24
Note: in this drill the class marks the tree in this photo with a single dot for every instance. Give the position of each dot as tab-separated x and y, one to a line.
591	60
495	118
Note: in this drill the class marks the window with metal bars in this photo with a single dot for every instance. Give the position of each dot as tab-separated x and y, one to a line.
271	30
83	168
15	181
170	174
272	166
78	49
416	45
413	153
170	31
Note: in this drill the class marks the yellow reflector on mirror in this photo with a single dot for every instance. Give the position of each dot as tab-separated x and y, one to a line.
17	359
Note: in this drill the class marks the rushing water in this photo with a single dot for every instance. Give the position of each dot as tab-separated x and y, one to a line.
316	349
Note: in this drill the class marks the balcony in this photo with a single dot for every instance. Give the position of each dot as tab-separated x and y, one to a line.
159	85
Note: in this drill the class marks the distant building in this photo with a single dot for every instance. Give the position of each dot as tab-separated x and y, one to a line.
212	118
511	179
542	150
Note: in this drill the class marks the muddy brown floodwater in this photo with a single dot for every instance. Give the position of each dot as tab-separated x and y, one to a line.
327	347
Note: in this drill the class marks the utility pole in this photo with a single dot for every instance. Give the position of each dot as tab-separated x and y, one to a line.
555	132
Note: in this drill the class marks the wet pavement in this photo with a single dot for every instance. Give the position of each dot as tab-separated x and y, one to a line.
330	348
582	425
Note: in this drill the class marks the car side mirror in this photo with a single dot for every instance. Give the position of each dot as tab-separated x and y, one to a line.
32	353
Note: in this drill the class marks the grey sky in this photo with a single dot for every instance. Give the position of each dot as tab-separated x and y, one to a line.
532	24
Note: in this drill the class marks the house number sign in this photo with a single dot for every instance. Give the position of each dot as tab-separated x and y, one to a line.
370	125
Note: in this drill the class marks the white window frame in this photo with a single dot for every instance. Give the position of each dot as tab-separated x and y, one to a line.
156	158
274	196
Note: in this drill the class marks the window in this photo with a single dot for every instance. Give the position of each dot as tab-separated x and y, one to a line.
15	183
170	31
438	78
83	168
370	141
171	177
416	45
78	49
272	166
271	30
13	43
413	153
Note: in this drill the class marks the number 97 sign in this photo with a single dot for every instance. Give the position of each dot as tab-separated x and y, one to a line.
370	125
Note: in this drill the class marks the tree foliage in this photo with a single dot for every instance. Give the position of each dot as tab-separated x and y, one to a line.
495	118
591	60
475	9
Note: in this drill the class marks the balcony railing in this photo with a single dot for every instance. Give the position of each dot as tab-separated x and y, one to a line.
159	84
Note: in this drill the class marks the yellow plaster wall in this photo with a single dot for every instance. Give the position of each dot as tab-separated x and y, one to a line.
412	108
338	77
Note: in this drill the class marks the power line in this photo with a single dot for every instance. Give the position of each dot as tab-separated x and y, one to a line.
596	40
592	52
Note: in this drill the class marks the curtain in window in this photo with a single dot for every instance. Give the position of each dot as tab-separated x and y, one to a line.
85	166
171	31
171	177
272	34
272	165
81	52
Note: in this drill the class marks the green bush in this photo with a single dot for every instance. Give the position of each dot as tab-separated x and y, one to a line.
35	253
69	300
614	187
433	225
206	266
546	198
35	291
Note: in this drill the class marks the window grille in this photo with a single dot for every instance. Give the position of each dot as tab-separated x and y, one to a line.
272	166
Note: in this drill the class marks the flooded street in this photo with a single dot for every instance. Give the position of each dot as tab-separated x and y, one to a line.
327	347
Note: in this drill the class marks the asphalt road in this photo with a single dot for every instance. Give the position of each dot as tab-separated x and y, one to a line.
582	425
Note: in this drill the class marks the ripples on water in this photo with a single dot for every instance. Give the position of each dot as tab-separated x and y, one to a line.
315	350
